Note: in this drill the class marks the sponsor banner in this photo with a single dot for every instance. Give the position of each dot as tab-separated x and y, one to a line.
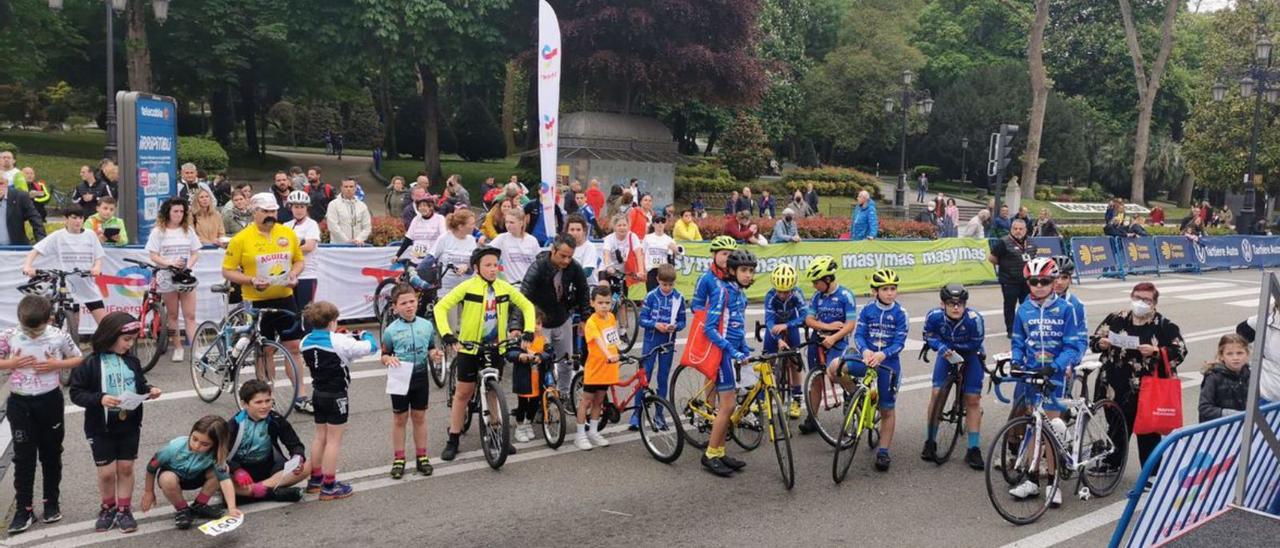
1093	255
1047	247
1177	253
1074	207
1139	254
549	56
157	159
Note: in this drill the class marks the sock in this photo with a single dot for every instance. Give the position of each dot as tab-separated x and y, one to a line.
329	480
258	490
242	478
124	504
582	429
400	454
108	502
202	499
317	475
180	506
421	452
453	438
714	452
595	426
931	433
974	437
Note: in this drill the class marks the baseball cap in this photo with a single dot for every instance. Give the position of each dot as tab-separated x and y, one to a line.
264	201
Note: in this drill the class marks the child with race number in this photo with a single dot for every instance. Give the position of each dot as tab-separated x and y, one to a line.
256	434
833	313
33	353
328	354
662	316
526	379
173	242
197	461
73	247
620	244
784	313
106	385
602	367
519	248
659	249
956	332
731	308
880	337
1046	337
708	286
406	342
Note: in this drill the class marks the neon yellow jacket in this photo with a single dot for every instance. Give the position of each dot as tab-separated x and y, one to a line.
471	294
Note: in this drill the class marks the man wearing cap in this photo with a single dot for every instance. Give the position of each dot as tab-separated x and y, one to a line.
265	260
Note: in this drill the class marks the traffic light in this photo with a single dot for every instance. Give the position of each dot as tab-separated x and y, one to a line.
1005	139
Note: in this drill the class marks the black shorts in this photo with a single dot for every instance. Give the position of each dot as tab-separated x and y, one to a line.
261	471
330	408
416	398
468	366
284	326
95	305
594	388
113	446
189	484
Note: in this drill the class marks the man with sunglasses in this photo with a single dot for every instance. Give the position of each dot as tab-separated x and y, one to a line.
956	333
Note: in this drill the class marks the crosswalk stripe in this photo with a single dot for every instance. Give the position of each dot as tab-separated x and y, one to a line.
1197	287
1128	284
1218	294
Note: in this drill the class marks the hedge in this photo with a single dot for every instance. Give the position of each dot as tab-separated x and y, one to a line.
6	146
709	177
824	228
1072	231
206	154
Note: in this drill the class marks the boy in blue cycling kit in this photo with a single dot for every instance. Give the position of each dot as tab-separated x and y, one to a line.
732	307
1062	286
833	313
661	317
880	337
784	314
708	288
956	332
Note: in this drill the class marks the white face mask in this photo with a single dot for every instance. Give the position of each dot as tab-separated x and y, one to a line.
1140	308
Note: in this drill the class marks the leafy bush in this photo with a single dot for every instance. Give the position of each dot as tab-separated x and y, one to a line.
386	229
745	149
824	228
6	146
478	135
206	154
933	172
1073	231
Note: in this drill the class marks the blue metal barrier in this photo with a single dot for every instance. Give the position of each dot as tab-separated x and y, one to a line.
1095	256
1138	255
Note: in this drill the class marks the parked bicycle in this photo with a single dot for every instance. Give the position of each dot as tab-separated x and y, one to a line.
220	351
861	414
624	309
52	284
659	423
153	339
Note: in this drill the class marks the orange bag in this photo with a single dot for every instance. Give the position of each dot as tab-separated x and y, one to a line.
699	352
1159	402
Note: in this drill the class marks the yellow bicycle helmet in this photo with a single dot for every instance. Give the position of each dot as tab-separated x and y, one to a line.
723	243
884	277
820	268
784	277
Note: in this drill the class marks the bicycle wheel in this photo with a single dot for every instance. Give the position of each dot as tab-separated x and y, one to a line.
660	430
552	417
948	415
69	323
209	362
441	366
152	340
847	443
628	324
278	374
382	305
692	396
575	392
827	404
749	431
1104	460
780	433
1028	452
495	430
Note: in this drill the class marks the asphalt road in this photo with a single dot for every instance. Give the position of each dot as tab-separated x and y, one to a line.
619	495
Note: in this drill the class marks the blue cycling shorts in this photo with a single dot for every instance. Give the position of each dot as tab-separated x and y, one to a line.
771	342
1026	394
972	371
726	377
888	378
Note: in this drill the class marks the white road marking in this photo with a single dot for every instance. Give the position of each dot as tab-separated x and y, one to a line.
1129	284
1198	287
1218	295
1247	303
1073	528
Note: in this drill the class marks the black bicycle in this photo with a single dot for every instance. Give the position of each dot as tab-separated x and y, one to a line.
52	284
489	402
948	410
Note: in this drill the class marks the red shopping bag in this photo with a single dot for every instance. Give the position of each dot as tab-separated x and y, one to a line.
1159	401
699	352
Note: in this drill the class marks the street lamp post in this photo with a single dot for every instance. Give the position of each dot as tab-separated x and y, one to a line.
1259	83
113	7
924	104
964	155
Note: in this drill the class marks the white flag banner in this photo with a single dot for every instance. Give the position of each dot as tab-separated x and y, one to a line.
549	56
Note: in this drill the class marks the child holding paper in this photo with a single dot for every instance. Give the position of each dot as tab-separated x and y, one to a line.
405	343
258	467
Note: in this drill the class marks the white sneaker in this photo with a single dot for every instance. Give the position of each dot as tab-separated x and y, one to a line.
582	442
1054	496
597	439
178	354
528	432
1026	489
521	435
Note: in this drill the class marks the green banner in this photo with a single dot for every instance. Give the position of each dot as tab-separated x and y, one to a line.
923	264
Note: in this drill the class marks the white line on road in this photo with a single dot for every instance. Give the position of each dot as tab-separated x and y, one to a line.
1247	303
1129	284
1071	529
1219	294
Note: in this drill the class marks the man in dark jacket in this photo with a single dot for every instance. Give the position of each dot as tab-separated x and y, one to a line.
18	209
557	285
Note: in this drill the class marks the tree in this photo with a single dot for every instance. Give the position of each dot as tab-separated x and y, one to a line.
479	137
746	148
958	36
137	51
1148	85
1039	98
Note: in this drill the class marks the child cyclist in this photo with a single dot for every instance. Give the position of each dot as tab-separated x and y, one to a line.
328	355
73	247
956	333
256	434
880	338
526	378
708	286
405	343
784	313
731	307
197	461
602	367
833	313
661	316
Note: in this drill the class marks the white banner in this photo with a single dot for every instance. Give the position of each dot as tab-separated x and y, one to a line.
1076	207
548	109
348	277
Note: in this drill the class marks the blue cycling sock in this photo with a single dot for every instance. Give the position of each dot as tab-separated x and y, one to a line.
973	439
931	433
796	391
882	451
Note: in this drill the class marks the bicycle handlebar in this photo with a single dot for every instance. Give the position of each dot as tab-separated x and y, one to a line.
770	357
499	346
660	349
155	267
1042	378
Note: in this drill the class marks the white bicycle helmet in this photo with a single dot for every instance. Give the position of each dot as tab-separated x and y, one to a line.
298	197
184	282
39	286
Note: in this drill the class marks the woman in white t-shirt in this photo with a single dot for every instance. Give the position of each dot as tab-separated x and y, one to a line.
73	247
308	231
174	243
423	233
658	248
585	251
519	249
454	249
620	244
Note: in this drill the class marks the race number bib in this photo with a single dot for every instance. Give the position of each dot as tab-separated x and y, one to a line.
219	526
611	336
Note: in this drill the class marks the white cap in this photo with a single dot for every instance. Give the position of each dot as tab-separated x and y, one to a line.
265	201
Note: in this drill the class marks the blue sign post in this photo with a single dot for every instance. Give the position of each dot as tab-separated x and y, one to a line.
148	158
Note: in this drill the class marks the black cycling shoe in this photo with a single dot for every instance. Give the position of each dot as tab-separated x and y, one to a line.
930	451
809	426
716	466
450	452
973	457
52	512
733	463
204	511
882	461
182	520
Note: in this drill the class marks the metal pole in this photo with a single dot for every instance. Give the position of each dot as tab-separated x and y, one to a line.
1245	226
110	150
964	155
900	192
1261	329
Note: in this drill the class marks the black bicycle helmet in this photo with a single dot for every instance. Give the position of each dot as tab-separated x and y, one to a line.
1066	266
954	292
184	282
737	258
481	251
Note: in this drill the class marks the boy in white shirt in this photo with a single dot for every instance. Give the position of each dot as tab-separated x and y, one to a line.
519	249
72	247
659	249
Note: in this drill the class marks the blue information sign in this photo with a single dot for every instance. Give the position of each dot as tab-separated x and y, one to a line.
157	158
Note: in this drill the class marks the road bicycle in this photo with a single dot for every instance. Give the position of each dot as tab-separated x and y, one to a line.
153	339
66	313
219	351
826	401
624	309
1031	454
785	369
861	415
948	411
489	402
664	440
694	396
384	310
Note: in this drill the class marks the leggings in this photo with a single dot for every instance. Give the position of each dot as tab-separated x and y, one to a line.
526	409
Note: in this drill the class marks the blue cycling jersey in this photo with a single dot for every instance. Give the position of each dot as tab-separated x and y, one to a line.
834	306
964	335
791	311
661	308
1084	323
409	341
730	305
1046	334
704	292
882	328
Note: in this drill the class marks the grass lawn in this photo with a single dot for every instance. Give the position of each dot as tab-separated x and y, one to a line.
472	173
86	144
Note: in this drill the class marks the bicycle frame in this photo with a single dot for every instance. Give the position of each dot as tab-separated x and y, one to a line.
1068	457
767	382
639	381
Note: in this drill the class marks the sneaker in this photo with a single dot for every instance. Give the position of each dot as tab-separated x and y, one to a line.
339	490
106	519
1024	490
809	426
716	466
125	521
204	511
582	443
314	484
930	451
182	519
524	433
597	439
397	469
178	354
23	519
304	405
450	452
794	412
732	463
51	512
633	427
882	461
1054	496
973	457
424	466
285	494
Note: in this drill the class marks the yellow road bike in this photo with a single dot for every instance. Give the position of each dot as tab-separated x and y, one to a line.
862	416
